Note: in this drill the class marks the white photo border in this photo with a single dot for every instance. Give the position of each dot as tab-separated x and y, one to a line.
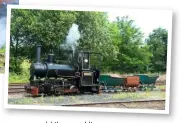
65	108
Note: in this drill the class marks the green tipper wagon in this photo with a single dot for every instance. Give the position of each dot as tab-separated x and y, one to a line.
108	81
124	83
147	81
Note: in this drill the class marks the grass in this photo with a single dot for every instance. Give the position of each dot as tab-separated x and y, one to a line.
161	87
135	96
37	100
23	77
125	95
26	101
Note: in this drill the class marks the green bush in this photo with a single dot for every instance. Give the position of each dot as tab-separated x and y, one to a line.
21	77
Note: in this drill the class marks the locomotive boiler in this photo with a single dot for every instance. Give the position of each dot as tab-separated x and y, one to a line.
77	76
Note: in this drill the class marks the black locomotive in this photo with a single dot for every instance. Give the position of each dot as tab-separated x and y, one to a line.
77	76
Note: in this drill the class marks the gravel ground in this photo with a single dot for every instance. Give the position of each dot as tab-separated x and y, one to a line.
24	99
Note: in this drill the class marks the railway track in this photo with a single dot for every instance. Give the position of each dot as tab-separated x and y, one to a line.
16	88
113	102
150	104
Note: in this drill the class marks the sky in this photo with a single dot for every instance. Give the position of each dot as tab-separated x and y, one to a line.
146	19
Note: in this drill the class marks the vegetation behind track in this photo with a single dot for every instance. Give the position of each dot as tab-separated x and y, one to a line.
121	42
22	77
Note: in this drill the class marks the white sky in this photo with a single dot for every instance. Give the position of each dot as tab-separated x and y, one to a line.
147	20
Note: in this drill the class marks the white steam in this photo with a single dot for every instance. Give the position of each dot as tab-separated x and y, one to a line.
2	31
72	38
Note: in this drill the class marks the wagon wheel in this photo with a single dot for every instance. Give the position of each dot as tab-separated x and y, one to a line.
102	86
122	87
141	86
134	89
145	88
154	85
152	89
130	89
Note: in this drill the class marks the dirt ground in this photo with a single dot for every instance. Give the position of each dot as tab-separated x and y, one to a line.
157	105
161	79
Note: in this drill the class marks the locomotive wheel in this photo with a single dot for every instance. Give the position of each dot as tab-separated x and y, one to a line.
93	91
98	90
58	93
47	89
81	91
73	89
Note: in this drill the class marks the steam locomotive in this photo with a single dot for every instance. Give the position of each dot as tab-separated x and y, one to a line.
77	76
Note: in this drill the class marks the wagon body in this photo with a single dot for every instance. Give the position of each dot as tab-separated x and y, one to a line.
129	81
108	80
132	81
146	79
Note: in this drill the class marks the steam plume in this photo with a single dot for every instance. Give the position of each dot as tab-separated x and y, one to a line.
72	38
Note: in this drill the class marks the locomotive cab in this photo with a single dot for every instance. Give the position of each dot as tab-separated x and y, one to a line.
89	72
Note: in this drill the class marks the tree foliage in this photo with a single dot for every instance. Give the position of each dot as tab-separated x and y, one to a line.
120	42
133	55
157	42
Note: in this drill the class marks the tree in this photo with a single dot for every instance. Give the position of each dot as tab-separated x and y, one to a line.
50	28
157	42
32	27
120	42
133	54
95	35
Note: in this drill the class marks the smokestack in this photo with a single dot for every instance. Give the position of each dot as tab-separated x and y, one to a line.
50	58
38	53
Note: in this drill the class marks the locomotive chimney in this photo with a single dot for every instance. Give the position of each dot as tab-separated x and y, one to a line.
50	58
38	53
